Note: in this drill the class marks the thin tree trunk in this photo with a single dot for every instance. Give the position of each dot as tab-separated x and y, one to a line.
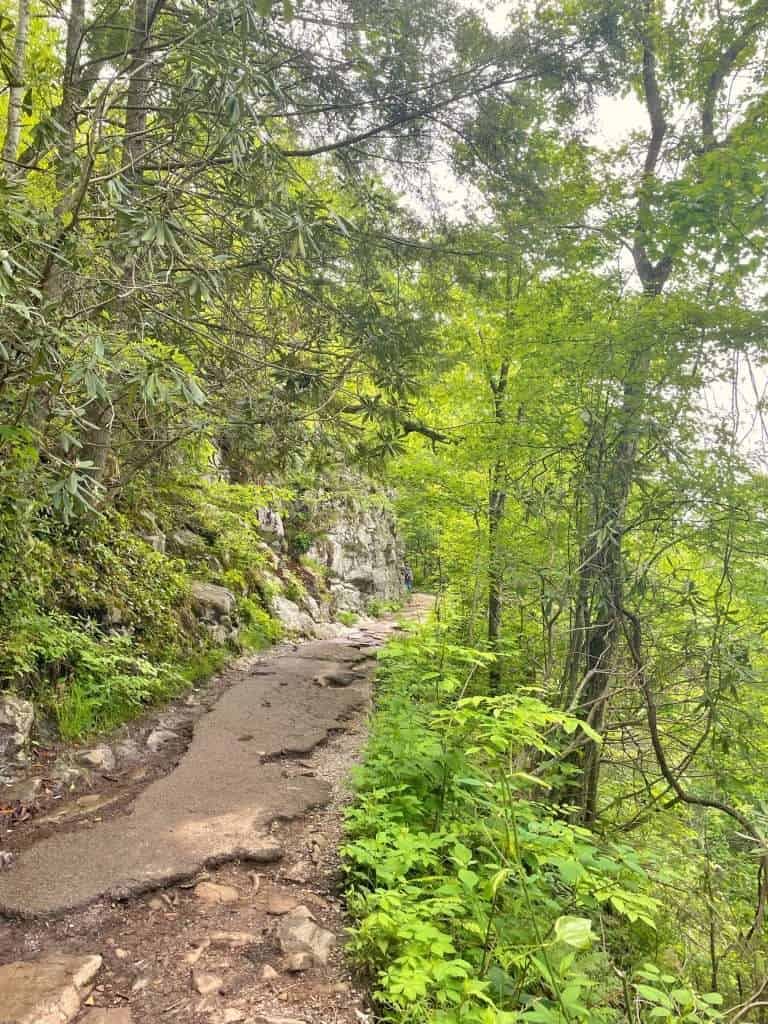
17	83
601	573
138	90
497	500
72	91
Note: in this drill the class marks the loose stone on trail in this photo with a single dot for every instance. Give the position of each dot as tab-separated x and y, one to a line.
48	990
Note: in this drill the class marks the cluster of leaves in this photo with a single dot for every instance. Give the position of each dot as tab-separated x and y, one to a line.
474	898
87	680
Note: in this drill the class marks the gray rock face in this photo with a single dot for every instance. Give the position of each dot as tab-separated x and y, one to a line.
292	617
156	541
363	555
185	542
329	630
154	536
213	602
271	528
16	718
216	606
45	991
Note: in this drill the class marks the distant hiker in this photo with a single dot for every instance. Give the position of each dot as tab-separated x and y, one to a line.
408	578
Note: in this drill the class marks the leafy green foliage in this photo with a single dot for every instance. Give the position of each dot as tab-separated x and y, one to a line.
89	682
474	898
99	624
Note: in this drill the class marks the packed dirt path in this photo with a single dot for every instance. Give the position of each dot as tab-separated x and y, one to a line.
211	895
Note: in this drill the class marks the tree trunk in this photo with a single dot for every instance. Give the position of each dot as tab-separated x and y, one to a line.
601	572
72	92
138	89
497	500
17	88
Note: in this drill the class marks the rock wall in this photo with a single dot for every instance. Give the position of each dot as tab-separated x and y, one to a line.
361	553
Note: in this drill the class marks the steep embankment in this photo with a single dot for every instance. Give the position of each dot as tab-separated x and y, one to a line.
126	610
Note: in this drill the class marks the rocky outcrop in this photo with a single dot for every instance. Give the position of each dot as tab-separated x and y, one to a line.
293	618
216	607
16	718
272	528
186	542
362	555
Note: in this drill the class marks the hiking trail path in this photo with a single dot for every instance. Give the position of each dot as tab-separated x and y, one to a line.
209	894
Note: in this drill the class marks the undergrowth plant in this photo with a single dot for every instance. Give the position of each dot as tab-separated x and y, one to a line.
88	681
474	899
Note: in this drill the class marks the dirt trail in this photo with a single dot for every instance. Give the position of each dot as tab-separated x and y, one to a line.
258	792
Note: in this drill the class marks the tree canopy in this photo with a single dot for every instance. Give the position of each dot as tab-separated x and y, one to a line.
224	248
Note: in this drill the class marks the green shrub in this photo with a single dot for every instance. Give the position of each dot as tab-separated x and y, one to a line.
348	618
474	900
293	587
377	607
101	571
88	681
259	630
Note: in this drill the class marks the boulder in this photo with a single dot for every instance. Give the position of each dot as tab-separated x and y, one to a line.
299	934
185	542
214	892
292	617
159	738
48	990
16	718
100	758
212	601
